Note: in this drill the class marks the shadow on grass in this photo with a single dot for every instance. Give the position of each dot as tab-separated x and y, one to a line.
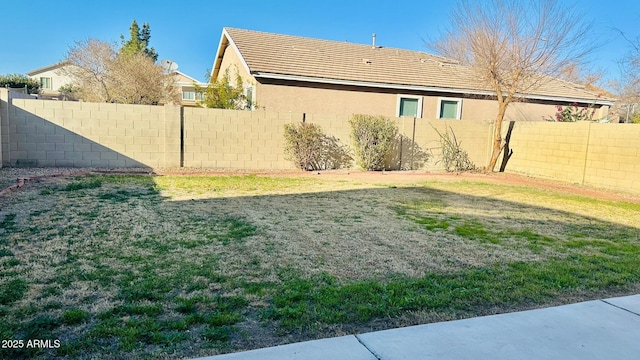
129	272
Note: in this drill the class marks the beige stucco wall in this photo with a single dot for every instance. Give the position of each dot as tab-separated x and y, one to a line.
335	100
232	62
341	100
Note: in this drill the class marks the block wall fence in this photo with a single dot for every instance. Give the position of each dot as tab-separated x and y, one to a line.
47	133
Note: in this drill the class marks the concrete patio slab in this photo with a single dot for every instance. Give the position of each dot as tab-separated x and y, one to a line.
588	330
601	329
340	348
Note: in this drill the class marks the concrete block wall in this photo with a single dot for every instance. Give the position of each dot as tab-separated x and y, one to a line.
549	150
602	155
473	137
4	123
227	139
613	157
80	134
254	140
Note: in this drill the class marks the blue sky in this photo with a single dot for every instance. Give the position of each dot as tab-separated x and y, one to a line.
38	33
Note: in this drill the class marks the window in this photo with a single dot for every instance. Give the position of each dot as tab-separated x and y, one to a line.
188	95
449	108
45	82
248	93
192	95
409	105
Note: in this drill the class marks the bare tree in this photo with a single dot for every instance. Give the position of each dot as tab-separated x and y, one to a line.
102	75
136	79
89	65
591	78
628	86
514	47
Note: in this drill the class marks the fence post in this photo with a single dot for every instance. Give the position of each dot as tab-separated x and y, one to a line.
4	126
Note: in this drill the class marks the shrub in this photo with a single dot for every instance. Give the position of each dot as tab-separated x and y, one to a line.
373	138
303	144
310	149
454	158
573	113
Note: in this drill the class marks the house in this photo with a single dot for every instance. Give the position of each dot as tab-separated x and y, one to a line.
188	86
286	73
56	76
51	79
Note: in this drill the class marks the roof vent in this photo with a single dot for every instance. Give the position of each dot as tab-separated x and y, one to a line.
366	61
373	40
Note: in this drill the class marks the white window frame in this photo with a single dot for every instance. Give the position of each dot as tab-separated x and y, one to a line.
458	110
49	80
399	101
184	92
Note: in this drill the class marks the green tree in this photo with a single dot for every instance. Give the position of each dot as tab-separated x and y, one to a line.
223	94
20	81
138	41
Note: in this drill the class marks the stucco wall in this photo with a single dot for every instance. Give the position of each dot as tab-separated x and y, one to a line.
296	97
58	78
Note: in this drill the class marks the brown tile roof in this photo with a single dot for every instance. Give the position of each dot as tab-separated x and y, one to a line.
276	55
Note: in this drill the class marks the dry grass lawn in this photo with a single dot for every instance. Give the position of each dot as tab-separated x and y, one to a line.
172	266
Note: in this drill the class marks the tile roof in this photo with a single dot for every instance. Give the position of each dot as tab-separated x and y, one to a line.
286	56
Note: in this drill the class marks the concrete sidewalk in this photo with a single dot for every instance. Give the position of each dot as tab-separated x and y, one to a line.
599	329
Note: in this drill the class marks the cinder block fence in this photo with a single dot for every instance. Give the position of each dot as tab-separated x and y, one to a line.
46	133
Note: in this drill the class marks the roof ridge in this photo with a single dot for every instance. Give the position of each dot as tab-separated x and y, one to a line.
339	42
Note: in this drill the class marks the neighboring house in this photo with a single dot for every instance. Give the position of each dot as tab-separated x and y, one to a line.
286	73
53	77
190	95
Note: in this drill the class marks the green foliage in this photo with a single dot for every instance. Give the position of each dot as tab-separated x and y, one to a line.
373	138
89	183
13	291
68	92
573	113
226	94
454	158
138	41
310	149
20	81
636	118
74	316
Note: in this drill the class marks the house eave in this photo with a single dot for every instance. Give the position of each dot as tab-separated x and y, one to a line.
310	79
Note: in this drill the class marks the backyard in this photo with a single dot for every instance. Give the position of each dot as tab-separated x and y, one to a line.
187	265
